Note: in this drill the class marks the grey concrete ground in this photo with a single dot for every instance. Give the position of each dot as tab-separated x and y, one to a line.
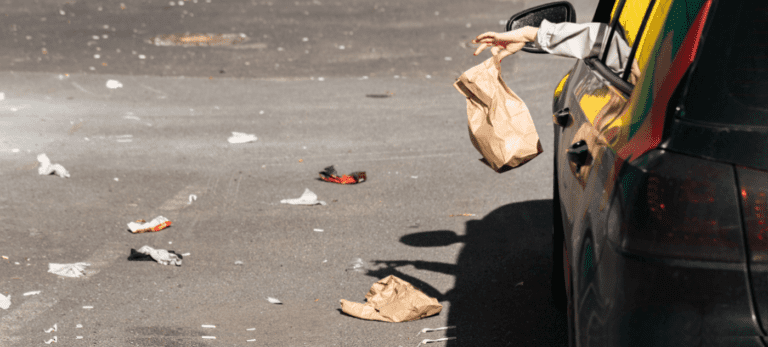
179	105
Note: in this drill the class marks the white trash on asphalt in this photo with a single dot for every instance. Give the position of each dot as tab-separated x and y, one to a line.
54	339
46	168
241	137
426	341
161	256
68	270
429	330
274	301
142	226
32	293
114	84
308	198
357	265
5	301
55	327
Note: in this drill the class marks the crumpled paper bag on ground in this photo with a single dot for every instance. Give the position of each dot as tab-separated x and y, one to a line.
500	125
46	168
393	300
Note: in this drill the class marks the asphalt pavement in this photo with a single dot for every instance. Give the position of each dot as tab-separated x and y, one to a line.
142	149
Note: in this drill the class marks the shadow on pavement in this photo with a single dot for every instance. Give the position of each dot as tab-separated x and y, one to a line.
488	305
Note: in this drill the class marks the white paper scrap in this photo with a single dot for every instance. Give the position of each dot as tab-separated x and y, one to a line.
251	340
134	226
427	330
274	301
5	301
251	329
87	307
426	341
54	339
46	168
208	326
79	338
209	337
161	256
32	293
308	198
319	230
114	84
241	137
79	326
54	328
68	270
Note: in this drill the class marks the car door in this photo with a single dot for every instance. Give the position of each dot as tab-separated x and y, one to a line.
593	124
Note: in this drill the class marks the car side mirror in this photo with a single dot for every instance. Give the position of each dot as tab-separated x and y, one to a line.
555	12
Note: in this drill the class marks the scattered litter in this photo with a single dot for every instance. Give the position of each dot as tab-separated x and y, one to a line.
274	301
196	40
32	293
325	261
414	177
87	307
251	340
241	137
238	262
429	330
192	197
79	326
46	168
358	265
17	263
117	179
162	256
426	341
185	255
114	84
124	140
329	175
54	328
79	338
15	150
132	117
54	339
5	301
319	230
208	326
2	96
142	56
393	300
321	79
448	59
463	215
141	226
385	95
4	257
68	270
308	198
209	337
519	284
124	136
251	329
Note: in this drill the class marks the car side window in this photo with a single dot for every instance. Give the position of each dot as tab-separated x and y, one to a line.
630	20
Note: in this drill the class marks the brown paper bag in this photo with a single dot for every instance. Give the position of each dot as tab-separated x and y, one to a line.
393	300
500	125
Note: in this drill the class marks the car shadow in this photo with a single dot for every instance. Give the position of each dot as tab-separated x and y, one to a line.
502	292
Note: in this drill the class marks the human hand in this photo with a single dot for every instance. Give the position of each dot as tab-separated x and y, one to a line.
505	44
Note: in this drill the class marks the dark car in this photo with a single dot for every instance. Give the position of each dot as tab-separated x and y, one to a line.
660	227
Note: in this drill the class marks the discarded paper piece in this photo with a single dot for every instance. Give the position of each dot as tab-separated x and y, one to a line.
114	84
87	307
329	175
393	300
55	327
209	337
193	40
141	226
5	301
429	330
426	341
463	215
68	270
274	301
46	168
54	339
161	256
208	326
308	198
32	293
241	137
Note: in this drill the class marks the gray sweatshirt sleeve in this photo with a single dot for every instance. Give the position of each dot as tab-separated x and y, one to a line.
582	41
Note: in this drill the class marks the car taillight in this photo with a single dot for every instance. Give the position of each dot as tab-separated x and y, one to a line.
678	206
753	186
